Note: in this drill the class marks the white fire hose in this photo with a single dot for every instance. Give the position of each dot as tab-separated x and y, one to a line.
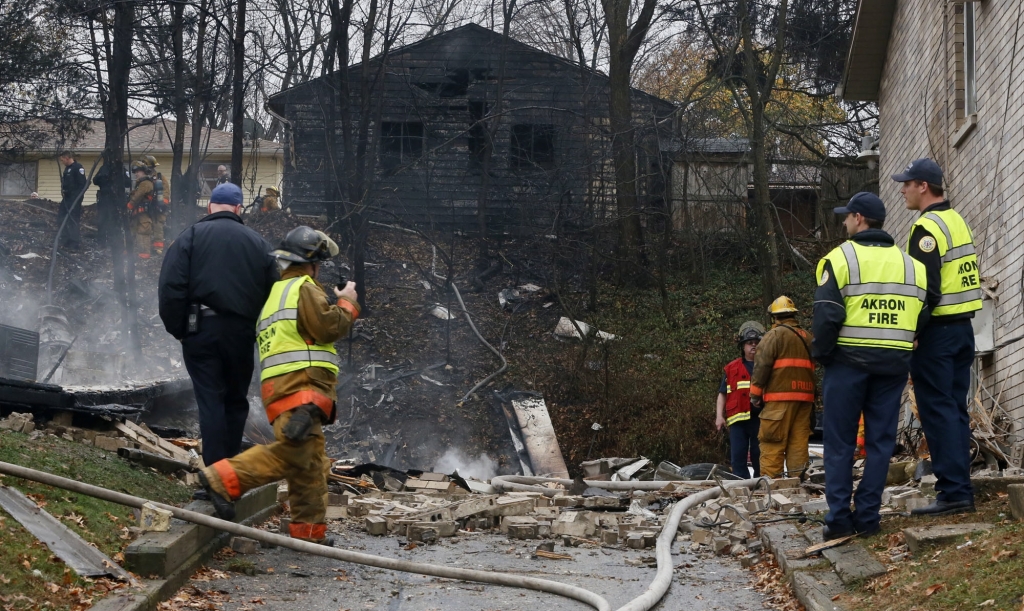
644	602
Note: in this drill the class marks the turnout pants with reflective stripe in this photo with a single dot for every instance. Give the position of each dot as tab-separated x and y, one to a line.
303	465
941	370
848	393
785	427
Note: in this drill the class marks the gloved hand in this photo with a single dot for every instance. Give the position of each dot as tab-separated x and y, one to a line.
300	426
756	402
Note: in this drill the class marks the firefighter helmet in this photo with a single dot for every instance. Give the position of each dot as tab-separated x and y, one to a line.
306	245
274	191
782	305
139	165
750	330
150	161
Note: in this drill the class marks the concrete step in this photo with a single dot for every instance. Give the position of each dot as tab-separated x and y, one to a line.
920	537
816	589
853	563
788	543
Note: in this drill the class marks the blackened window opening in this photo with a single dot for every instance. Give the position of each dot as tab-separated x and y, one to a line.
532	146
400	143
477	135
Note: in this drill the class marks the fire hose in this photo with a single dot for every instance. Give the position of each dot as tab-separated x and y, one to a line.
644	602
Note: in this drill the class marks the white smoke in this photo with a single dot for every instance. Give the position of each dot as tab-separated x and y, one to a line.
482	467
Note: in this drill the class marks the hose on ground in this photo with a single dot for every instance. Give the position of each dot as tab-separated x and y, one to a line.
447	572
523	483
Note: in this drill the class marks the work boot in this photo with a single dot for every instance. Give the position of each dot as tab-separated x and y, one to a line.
944	508
828	534
298	428
326	542
224	507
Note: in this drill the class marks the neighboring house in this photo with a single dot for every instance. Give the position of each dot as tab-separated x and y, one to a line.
551	161
38	171
947	77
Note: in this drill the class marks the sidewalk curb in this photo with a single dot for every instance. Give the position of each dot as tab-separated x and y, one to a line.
815	583
157	590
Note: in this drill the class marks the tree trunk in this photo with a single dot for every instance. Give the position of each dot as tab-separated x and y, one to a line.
238	95
178	186
763	230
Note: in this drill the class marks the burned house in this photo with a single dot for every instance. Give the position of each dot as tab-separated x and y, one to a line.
436	104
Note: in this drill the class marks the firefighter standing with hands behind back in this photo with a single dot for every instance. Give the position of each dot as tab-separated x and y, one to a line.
783	384
140	202
733	406
296	335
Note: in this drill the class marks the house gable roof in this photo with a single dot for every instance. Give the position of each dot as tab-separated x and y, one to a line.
869	45
484	36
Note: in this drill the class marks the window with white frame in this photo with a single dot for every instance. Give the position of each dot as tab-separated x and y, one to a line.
18	179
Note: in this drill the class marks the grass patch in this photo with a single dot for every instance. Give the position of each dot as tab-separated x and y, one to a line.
986	574
30	576
240	565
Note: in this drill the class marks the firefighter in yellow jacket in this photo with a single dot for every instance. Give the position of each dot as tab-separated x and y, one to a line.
783	383
296	334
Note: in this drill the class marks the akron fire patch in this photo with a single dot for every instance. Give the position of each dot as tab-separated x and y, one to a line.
927	244
824	278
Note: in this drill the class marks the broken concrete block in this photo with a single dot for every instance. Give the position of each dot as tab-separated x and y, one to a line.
444	528
610	537
815	506
754	546
336	500
509	521
928	484
282	528
749	560
853	563
423	532
702	536
923	536
755	505
635	541
574	524
511	506
721	545
650	539
735	514
522	531
543	529
244	545
1016	492
991	486
110	444
376	525
737	549
781	502
155	519
282	492
785	482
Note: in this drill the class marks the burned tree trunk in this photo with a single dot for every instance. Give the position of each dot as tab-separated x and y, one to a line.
238	94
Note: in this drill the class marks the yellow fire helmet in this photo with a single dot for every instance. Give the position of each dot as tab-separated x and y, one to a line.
150	161
274	191
782	305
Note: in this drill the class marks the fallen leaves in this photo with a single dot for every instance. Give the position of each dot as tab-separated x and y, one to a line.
1003	555
772	582
933	589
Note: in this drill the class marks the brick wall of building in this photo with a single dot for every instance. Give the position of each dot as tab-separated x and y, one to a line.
921	107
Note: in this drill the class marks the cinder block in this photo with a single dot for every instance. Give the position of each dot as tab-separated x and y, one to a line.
610	537
508	521
702	536
244	545
444	528
574	524
376	525
423	532
522	531
721	545
635	541
923	536
1016	492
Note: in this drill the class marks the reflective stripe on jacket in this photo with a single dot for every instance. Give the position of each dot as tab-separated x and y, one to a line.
783	370
883	289
282	348
961	292
737	389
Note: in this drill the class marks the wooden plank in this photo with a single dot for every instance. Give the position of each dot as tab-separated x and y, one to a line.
84	559
539	437
172	450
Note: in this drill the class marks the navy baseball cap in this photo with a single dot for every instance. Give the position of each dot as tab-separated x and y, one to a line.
864	203
227	194
921	169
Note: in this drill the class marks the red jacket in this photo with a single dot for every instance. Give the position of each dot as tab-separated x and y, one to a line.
737	388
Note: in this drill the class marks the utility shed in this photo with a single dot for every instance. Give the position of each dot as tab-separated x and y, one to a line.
709	184
433	107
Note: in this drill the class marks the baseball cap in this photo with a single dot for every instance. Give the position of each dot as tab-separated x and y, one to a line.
864	203
921	169
227	194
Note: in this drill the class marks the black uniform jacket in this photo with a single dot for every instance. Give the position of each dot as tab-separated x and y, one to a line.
219	263
933	265
73	183
830	312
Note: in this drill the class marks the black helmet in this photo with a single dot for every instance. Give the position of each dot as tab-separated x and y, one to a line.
306	245
750	330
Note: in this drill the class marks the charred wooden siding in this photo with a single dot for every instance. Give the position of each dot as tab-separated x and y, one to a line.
551	160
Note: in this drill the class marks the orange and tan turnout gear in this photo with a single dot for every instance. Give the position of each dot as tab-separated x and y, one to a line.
784	380
140	202
298	310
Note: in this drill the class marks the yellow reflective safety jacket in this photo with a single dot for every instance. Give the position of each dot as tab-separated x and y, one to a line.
960	286
883	289
282	348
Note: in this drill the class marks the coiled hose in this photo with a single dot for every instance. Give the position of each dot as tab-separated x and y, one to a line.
654	593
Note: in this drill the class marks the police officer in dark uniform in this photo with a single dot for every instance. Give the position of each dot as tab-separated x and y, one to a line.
72	189
215	278
941	367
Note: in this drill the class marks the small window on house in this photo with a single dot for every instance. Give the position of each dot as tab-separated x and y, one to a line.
18	179
532	146
970	61
208	177
400	144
